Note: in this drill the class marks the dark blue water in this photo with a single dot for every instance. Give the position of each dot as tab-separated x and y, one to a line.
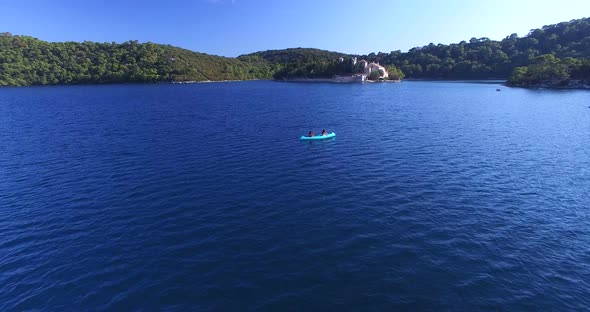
201	197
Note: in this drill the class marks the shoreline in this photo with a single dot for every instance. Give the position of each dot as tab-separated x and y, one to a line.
333	80
132	83
552	85
211	81
574	85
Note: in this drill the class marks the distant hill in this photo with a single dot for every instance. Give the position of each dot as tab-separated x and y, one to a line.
303	62
29	61
294	55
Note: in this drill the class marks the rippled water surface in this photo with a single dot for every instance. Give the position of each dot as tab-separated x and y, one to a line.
433	195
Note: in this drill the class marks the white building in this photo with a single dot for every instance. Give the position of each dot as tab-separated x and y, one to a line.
363	64
383	74
369	68
366	70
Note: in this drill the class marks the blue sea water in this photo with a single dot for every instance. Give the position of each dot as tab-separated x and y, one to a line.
432	196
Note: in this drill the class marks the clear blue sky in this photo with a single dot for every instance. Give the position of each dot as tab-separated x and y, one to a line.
230	28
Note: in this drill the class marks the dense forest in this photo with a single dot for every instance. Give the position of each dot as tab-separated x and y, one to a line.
557	52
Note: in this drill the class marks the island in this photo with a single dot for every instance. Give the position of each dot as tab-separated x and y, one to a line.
554	56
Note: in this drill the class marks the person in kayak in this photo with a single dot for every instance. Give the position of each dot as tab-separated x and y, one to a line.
324	132
310	134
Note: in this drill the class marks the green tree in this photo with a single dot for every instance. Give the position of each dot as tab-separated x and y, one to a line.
395	73
374	75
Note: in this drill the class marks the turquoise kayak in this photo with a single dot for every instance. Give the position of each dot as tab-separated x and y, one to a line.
319	137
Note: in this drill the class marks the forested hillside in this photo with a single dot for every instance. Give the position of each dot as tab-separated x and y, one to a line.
29	61
485	58
480	58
